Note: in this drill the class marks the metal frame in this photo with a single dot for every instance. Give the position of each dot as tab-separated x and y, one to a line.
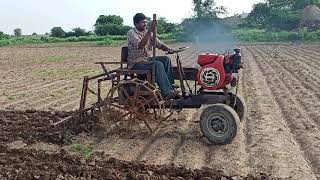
190	99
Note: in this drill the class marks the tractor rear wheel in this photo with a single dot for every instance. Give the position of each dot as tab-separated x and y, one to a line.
133	105
219	124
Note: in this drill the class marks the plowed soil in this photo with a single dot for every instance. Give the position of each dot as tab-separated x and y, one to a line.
279	138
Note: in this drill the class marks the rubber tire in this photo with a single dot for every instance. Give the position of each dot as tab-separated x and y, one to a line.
241	108
227	113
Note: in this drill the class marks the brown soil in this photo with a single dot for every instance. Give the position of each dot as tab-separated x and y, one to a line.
30	164
31	126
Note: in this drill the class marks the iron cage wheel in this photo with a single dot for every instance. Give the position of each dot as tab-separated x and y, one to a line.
240	107
219	124
133	103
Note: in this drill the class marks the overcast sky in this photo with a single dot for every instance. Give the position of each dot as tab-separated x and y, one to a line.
41	15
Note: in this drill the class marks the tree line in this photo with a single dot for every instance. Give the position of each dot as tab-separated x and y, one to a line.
277	15
104	25
270	15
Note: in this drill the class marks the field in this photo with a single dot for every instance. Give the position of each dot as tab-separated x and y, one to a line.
280	136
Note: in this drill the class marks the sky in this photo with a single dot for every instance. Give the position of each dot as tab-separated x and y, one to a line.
41	15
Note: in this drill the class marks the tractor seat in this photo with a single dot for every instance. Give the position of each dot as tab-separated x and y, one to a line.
124	70
141	74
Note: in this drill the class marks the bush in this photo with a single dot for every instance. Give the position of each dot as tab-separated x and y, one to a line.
119	38
100	40
4	42
257	35
183	37
166	36
105	42
3	36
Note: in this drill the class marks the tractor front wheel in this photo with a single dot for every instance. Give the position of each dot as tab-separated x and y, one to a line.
240	107
219	123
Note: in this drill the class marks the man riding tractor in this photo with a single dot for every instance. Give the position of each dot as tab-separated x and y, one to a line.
139	44
131	102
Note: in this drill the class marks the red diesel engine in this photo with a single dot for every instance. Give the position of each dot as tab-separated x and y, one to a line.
217	70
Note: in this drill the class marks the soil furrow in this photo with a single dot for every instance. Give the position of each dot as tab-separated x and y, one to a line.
304	52
272	147
42	94
308	101
299	61
300	126
307	81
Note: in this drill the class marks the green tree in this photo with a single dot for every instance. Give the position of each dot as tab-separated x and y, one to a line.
205	24
278	14
58	32
110	25
301	4
90	33
291	4
111	19
34	34
79	32
207	9
281	4
260	13
17	32
171	28
111	29
165	27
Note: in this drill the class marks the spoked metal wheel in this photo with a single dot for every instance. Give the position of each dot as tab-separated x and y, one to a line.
134	105
219	123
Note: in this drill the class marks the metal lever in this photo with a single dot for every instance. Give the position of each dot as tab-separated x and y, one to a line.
154	36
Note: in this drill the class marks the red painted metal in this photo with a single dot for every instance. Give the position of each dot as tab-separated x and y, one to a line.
212	74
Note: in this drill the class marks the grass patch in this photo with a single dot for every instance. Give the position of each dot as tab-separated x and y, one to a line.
260	35
83	150
12	98
254	35
106	42
99	40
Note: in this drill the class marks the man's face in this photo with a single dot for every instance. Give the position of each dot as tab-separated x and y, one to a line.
142	25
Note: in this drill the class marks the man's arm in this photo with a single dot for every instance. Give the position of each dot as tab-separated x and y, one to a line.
144	40
163	46
147	37
134	39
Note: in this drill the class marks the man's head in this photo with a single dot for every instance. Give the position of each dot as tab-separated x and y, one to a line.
140	21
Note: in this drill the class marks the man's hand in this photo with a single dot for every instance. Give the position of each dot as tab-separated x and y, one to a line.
146	38
170	51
